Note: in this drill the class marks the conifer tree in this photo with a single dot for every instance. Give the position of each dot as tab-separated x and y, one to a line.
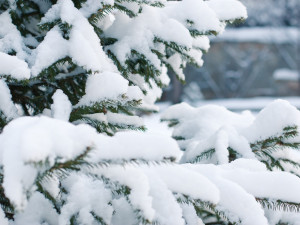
69	68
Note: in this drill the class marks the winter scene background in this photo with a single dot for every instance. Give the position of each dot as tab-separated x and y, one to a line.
131	112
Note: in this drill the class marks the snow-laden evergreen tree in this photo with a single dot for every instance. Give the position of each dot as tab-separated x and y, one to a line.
72	74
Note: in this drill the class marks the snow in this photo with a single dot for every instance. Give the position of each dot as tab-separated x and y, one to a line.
238	204
3	220
61	107
13	66
164	202
53	48
116	118
228	9
242	184
94	197
285	74
214	127
139	195
39	209
252	104
135	145
83	45
190	215
151	164
268	35
101	86
203	17
10	37
92	6
264	126
276	185
175	61
6	104
29	140
201	42
180	180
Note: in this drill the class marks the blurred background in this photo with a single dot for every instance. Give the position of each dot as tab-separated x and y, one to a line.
253	61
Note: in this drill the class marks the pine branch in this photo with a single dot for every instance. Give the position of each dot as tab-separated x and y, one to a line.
119	190
123	9
100	14
98	219
195	33
171	122
203	208
5	203
279	205
62	169
204	155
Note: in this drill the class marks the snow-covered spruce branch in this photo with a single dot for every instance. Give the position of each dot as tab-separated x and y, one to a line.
212	134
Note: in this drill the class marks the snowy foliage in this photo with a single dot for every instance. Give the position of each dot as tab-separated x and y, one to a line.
268	141
72	74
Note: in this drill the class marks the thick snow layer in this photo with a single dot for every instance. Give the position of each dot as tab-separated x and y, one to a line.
238	204
135	145
228	9
7	107
101	86
53	48
190	215
13	66
10	37
238	185
203	17
83	45
93	197
139	195
215	127
61	107
38	209
181	180
30	140
271	121
164	202
201	42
